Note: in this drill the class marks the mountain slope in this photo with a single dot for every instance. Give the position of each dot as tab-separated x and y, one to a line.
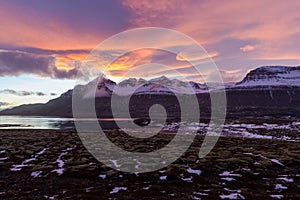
61	106
272	76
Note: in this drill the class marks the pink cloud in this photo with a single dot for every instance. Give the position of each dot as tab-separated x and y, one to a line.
247	47
271	24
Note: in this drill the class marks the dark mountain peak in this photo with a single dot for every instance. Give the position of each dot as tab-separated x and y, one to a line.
104	80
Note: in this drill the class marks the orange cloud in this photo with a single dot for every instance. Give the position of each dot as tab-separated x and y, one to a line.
145	62
183	56
65	62
131	60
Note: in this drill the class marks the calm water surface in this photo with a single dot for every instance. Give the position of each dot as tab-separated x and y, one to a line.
31	122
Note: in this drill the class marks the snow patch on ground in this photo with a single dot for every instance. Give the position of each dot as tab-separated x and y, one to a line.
264	157
232	196
5	158
227	173
280	187
287	180
36	174
115	163
229	190
60	162
276	161
89	189
187	179
201	193
103	176
117	189
276	196
229	179
25	162
193	171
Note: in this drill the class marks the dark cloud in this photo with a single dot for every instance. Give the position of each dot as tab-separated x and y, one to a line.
18	93
4	104
40	94
53	94
40	51
22	93
14	63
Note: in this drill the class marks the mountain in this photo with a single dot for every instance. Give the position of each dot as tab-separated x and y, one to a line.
263	77
61	106
265	91
104	87
272	76
160	85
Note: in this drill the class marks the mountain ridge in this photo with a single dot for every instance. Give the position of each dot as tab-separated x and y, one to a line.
271	76
264	90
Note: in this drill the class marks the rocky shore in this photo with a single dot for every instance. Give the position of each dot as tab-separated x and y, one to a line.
51	164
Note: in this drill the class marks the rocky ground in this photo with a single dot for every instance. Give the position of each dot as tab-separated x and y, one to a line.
49	164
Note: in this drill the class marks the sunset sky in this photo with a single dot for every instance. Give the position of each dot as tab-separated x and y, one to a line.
41	42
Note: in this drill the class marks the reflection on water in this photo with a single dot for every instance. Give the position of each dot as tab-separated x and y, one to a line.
31	122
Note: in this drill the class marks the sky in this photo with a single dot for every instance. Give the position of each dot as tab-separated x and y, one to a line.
42	43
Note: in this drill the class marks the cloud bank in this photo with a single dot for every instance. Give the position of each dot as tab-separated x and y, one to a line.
24	93
15	63
3	104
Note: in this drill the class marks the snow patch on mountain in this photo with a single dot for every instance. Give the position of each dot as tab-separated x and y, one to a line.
103	87
160	85
272	76
262	77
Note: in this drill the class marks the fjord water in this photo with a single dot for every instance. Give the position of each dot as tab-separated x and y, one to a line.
31	122
37	122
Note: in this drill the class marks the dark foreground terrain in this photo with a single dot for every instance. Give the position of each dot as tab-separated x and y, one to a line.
45	164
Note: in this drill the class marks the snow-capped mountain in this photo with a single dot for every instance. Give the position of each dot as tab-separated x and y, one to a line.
160	85
260	77
272	76
104	87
